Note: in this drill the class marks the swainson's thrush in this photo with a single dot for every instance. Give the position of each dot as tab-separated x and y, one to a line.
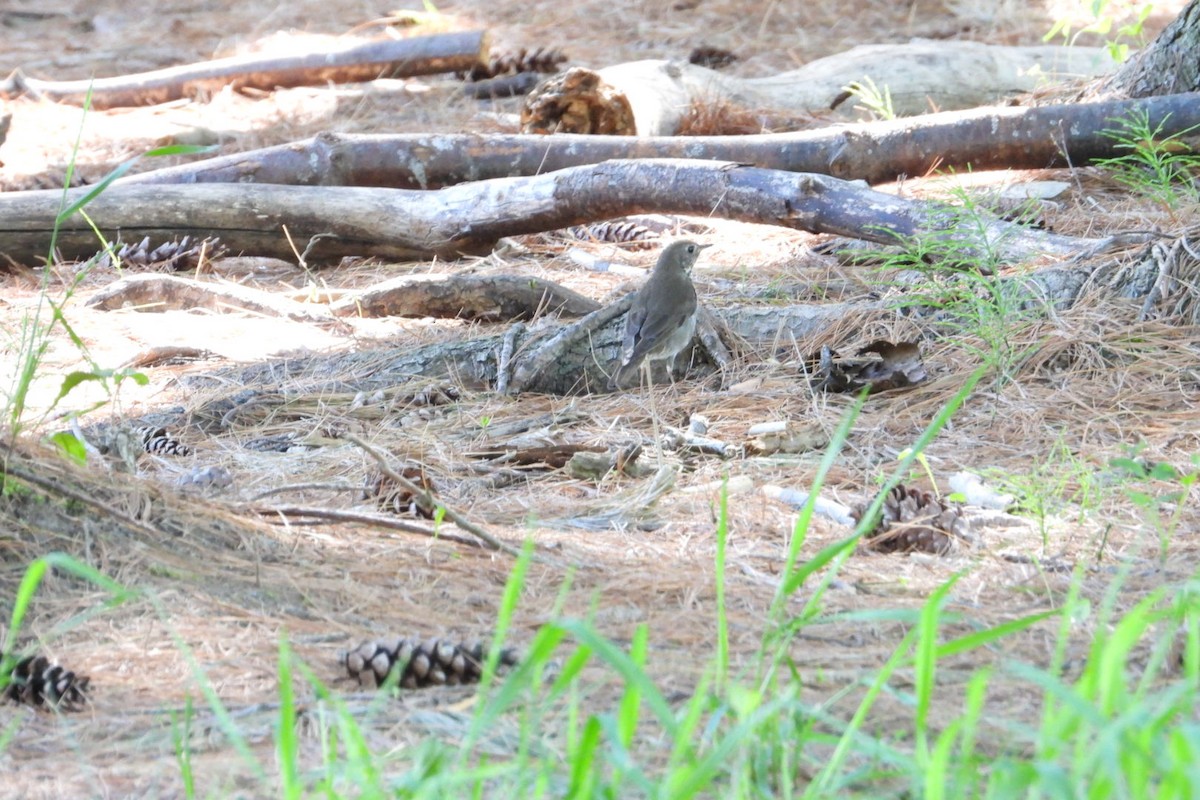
663	317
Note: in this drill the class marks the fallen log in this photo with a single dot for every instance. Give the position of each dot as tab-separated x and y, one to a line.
352	61
332	222
152	292
988	138
475	298
578	356
651	98
581	367
479	298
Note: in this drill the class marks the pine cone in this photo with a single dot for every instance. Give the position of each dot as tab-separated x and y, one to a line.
434	396
390	496
915	520
616	232
155	439
434	662
711	57
173	256
34	681
540	59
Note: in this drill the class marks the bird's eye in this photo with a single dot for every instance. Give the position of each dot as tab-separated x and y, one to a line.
691	248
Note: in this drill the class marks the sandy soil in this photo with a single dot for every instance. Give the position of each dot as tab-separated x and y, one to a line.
1096	382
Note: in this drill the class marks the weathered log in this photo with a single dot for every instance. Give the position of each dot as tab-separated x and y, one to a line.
475	363
650	98
988	138
502	86
344	62
331	222
152	292
480	298
584	363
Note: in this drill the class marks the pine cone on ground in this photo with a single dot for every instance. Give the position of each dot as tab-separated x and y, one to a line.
434	662
34	681
391	497
125	443
616	232
540	59
155	439
434	395
712	57
913	520
174	256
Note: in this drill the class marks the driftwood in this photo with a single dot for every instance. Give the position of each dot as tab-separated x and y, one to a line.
577	357
989	138
651	98
152	292
478	298
579	366
559	360
345	62
331	222
481	298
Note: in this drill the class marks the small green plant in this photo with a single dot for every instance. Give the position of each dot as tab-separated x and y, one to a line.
34	575
1060	480
1102	24
181	734
959	253
1163	169
907	453
36	330
1154	488
871	99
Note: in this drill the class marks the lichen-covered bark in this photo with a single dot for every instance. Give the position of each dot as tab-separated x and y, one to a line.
1168	65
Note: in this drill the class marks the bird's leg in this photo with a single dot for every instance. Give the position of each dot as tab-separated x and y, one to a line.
671	371
648	385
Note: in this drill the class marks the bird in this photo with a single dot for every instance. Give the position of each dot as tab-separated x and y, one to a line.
662	320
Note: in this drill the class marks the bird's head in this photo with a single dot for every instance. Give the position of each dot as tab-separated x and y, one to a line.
680	255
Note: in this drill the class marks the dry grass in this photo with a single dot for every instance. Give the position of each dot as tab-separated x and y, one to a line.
229	583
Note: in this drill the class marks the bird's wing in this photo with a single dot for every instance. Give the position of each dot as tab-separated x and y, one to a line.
657	327
633	330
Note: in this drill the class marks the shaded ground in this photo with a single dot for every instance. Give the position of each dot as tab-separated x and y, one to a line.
1092	383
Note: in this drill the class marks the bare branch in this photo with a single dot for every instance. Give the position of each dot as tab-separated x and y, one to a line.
344	62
